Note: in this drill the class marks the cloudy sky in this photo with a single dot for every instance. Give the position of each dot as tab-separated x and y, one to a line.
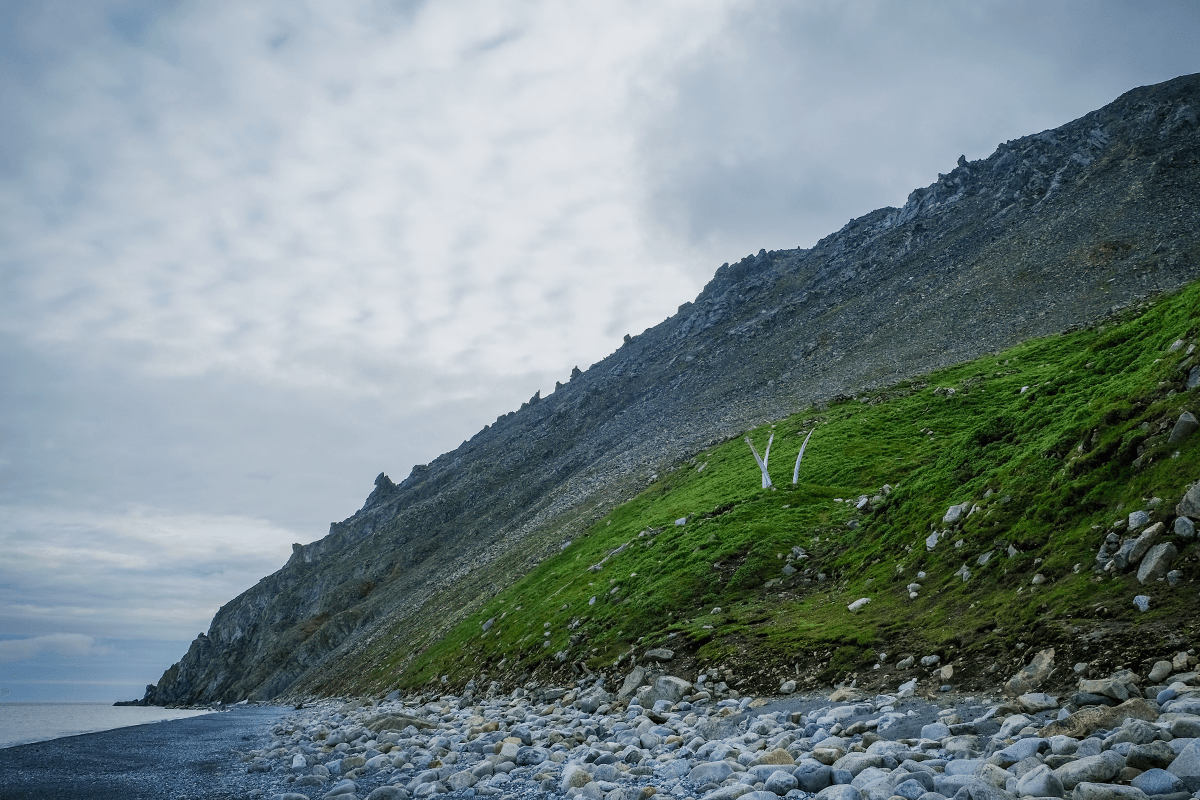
252	254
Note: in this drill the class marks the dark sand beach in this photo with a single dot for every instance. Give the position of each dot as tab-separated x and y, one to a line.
174	760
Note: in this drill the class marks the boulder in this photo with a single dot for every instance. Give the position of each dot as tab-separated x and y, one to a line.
1160	671
1145	541
1107	791
956	513
780	783
1040	782
660	654
1109	687
1151	755
635	678
839	791
1089	720
979	790
1157	562
1185	426
668	688
1033	702
1031	677
1189	506
1184	528
1186	766
710	772
1157	781
1094	769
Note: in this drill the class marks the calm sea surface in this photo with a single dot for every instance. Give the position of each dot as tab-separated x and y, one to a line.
22	723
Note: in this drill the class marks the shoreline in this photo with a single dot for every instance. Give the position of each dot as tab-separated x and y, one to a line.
177	759
1124	737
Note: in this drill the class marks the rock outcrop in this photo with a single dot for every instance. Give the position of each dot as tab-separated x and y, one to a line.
1050	231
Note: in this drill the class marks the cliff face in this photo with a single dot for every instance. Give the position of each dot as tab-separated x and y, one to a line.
1048	232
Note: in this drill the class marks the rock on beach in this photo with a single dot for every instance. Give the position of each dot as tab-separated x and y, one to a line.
661	735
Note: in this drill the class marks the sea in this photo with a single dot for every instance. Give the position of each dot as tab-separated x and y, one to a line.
24	723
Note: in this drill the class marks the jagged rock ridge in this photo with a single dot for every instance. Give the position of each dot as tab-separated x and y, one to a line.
1050	231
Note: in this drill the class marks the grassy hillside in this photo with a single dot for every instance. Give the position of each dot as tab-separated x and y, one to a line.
1054	441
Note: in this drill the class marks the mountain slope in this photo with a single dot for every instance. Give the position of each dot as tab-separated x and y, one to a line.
1050	231
969	514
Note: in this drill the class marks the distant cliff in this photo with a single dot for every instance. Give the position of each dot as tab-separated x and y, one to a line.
1050	231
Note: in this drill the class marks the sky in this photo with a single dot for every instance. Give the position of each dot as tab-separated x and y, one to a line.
253	254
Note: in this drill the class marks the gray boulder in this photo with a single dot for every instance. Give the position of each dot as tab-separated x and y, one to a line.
956	513
668	688
1040	782
1157	562
1185	426
978	790
1152	755
812	778
1157	781
633	680
1145	541
1107	791
1094	769
1189	506
1031	677
1184	527
1160	671
710	772
840	791
1186	766
780	782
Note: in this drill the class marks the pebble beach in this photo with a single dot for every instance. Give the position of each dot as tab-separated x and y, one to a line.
1123	736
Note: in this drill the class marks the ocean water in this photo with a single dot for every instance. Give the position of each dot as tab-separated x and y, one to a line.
23	723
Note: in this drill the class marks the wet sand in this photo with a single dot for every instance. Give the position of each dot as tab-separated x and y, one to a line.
174	760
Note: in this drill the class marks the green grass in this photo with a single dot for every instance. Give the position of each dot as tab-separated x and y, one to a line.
1050	468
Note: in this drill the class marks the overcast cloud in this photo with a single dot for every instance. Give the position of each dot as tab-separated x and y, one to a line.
253	254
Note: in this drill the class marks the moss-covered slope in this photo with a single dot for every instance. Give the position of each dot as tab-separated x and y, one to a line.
1051	442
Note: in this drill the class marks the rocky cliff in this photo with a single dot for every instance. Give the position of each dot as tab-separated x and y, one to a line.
1048	232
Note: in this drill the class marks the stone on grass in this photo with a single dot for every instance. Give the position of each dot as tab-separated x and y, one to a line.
1189	506
1185	426
1184	527
1157	562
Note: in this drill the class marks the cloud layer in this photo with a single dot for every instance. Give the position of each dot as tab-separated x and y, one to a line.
253	254
318	193
143	574
64	644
